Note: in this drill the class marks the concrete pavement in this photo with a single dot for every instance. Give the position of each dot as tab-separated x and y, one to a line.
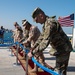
7	63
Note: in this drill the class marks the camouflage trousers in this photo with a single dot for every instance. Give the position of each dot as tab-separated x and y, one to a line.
62	63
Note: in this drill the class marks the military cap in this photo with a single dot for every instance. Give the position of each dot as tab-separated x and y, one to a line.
36	12
24	22
15	23
53	16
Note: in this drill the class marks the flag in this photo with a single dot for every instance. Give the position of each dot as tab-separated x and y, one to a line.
66	21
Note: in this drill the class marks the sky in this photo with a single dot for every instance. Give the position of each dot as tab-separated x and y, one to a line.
16	10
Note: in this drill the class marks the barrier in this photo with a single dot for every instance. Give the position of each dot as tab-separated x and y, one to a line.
44	68
37	63
6	43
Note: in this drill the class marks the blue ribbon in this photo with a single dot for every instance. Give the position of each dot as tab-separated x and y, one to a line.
25	49
38	64
44	68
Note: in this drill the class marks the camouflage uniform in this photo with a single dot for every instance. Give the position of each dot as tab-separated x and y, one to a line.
14	35
25	35
34	34
32	38
54	35
17	33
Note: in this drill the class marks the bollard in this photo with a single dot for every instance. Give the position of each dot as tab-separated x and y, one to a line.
26	65
17	54
27	58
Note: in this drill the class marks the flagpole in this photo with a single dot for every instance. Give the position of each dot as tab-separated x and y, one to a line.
72	35
73	39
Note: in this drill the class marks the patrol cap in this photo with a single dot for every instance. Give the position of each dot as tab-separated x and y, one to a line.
36	12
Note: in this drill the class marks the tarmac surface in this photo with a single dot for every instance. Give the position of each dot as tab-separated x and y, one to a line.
7	61
8	64
51	61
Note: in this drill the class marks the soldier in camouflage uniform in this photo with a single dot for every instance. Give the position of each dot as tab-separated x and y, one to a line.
34	34
25	33
54	35
17	33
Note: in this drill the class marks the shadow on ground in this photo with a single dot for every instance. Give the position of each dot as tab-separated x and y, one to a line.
51	58
71	69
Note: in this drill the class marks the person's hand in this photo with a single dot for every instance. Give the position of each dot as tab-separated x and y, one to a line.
31	49
30	54
25	44
19	41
